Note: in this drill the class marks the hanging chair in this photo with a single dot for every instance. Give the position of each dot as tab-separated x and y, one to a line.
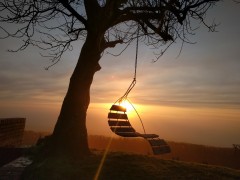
120	124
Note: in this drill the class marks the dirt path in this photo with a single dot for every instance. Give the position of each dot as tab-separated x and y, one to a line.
14	169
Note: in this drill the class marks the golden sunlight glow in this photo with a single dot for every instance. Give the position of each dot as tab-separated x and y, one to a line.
127	105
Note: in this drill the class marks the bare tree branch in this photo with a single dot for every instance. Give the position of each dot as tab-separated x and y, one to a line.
74	13
54	25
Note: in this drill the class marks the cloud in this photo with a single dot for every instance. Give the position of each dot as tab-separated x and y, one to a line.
189	81
21	81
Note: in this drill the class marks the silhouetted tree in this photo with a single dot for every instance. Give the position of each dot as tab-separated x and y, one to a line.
52	25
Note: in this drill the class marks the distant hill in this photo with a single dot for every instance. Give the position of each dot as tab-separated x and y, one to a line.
31	137
180	151
227	157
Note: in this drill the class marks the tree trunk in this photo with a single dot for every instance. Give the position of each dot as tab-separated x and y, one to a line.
70	133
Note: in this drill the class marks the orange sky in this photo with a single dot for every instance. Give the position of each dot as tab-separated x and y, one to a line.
217	126
193	98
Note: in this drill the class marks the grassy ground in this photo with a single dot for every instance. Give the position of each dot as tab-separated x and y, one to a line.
121	166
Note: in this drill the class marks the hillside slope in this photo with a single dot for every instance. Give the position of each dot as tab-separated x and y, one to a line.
220	156
119	166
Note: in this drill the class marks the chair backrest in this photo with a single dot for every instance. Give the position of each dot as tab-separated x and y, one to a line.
118	108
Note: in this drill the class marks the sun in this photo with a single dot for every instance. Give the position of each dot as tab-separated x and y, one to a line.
127	105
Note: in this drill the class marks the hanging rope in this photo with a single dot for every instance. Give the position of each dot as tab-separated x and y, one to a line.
133	83
138	116
136	57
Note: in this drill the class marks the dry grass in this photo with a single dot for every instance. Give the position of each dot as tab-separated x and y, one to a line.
123	166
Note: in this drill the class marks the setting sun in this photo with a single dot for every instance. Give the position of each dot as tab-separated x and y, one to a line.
127	105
